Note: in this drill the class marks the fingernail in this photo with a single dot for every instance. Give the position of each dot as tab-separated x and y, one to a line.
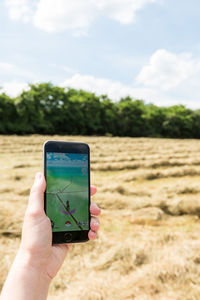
38	177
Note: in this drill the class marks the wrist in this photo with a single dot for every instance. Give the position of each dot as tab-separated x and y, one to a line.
25	277
26	262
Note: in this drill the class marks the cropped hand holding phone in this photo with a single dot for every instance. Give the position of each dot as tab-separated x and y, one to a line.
37	261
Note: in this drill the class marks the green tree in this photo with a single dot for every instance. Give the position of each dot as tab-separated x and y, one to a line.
178	123
131	121
49	109
40	108
90	107
154	118
109	116
8	115
195	124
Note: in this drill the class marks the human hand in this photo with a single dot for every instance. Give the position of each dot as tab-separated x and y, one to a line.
37	260
36	245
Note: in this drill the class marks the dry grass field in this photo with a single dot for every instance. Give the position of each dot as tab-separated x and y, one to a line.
149	242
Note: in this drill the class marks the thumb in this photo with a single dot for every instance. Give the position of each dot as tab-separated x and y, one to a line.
36	198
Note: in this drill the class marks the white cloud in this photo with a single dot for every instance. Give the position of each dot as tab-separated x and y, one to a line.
6	67
186	95
76	15
114	89
167	70
13	70
122	11
59	15
19	9
14	88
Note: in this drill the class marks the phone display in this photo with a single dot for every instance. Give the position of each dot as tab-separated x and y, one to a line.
67	191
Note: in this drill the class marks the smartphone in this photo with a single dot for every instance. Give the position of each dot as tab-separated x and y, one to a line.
67	195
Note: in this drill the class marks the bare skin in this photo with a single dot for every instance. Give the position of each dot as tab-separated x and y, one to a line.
37	261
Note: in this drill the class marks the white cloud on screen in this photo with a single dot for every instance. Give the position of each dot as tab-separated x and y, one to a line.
76	15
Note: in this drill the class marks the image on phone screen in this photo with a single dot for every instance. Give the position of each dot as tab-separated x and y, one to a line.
67	191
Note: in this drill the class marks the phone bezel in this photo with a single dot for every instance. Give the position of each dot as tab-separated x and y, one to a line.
68	147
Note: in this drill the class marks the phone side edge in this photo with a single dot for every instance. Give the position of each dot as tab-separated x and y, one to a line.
44	171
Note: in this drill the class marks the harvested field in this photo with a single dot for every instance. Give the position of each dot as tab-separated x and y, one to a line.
149	242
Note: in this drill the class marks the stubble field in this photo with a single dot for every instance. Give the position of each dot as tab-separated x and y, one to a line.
149	241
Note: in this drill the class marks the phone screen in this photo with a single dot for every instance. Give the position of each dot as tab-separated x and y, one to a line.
67	196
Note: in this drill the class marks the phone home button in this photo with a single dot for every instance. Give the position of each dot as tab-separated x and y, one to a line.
68	237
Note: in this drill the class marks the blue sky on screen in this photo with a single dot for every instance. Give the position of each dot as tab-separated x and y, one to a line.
55	159
148	49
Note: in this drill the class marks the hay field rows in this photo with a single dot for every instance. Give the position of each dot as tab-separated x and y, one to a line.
149	242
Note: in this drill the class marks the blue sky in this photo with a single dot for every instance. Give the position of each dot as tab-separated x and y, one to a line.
148	49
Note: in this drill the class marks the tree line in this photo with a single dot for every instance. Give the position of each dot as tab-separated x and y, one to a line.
49	109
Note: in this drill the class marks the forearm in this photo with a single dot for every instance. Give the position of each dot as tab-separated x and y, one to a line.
25	282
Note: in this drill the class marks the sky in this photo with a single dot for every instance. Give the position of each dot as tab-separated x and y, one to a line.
147	49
